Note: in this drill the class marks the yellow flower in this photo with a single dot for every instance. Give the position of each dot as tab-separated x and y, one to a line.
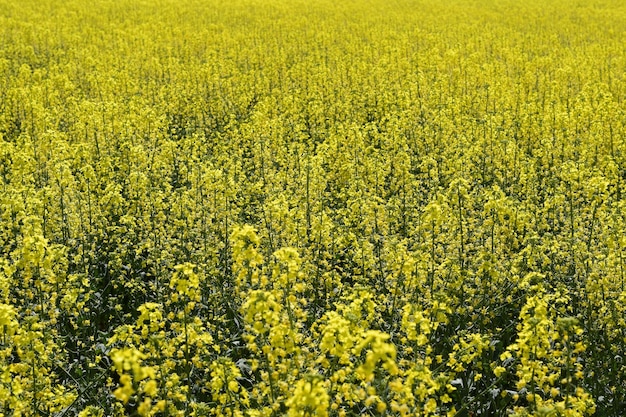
150	388
309	398
145	407
8	323
91	411
186	281
379	351
498	371
124	392
430	406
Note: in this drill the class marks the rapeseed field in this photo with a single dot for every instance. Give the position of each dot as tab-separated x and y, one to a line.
312	208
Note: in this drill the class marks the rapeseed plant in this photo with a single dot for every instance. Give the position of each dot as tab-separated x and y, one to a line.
297	208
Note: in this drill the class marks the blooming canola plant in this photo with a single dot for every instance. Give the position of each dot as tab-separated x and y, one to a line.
312	208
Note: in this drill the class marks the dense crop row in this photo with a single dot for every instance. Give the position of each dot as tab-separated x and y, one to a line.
329	208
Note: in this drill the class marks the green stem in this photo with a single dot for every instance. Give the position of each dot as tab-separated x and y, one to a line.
187	365
462	245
